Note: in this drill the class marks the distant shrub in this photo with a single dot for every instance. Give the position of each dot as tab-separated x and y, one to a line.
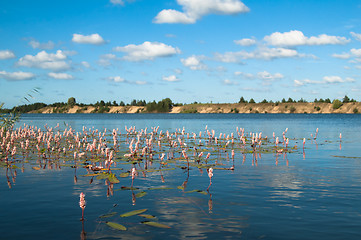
355	110
292	109
336	104
250	109
318	108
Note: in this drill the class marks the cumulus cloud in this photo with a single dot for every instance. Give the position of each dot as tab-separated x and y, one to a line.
53	61
357	36
85	64
120	2
117	79
337	79
194	62
45	46
342	55
265	76
245	75
245	42
140	82
229	82
171	78
297	38
325	80
268	76
105	59
16	76
117	2
260	53
64	76
6	54
147	51
196	9
95	39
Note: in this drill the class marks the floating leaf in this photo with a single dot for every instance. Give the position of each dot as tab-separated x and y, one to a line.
116	226
160	188
202	192
90	175
124	174
108	215
146	216
132	213
181	187
140	194
113	179
128	188
101	176
36	168
155	224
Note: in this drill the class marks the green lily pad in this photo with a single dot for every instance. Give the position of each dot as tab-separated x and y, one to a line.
140	194
113	179
108	215
132	213
124	174
116	226
160	188
146	216
155	224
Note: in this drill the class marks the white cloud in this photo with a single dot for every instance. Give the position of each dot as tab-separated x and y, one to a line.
85	64
196	9
178	71
171	78
120	2
64	76
356	52
229	82
95	39
342	55
245	75
268	76
140	82
357	36
260	53
245	42
16	76
325	80
194	62
53	61
117	79
117	2
337	79
6	54
297	38
105	59
147	51
36	44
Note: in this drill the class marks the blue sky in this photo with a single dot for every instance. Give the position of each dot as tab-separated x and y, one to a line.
187	50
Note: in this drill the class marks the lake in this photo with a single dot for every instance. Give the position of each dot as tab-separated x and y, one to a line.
263	192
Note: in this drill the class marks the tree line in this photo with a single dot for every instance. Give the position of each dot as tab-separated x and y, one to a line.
164	105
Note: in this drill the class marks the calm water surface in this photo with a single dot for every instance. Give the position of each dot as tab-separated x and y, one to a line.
310	195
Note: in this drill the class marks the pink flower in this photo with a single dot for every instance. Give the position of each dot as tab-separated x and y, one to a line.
134	172
82	201
210	173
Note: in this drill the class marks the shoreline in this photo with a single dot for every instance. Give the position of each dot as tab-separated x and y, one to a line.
226	108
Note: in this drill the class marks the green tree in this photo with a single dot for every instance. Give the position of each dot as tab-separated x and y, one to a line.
346	99
71	101
264	101
336	104
252	100
242	100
